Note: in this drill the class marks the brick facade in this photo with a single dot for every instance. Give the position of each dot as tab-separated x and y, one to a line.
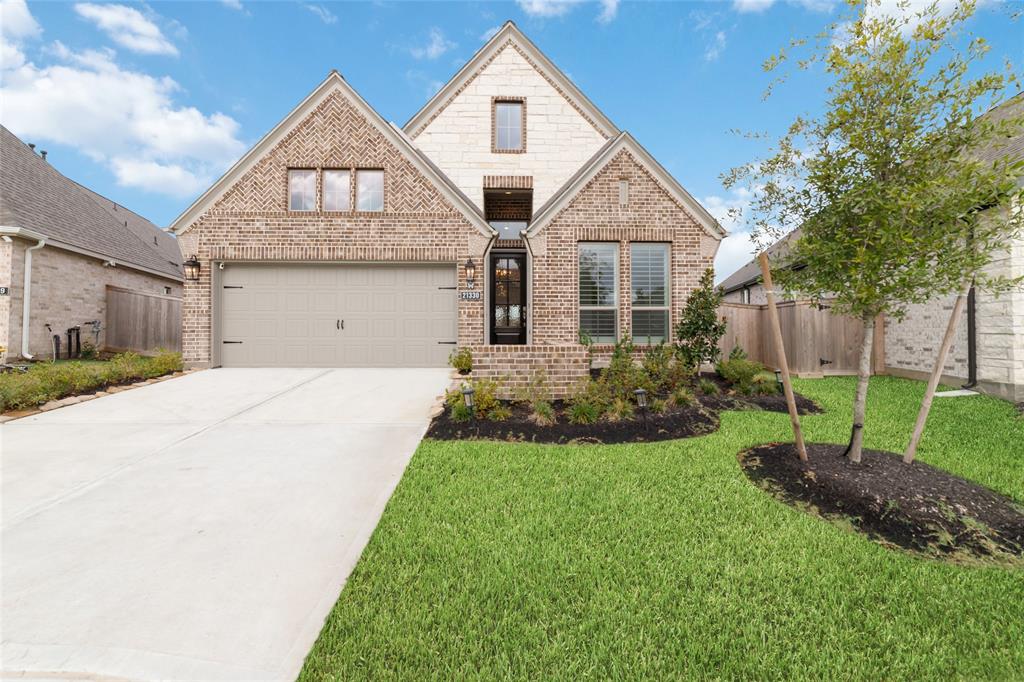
251	222
68	289
514	366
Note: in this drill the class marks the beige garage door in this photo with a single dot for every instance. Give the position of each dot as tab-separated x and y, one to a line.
296	315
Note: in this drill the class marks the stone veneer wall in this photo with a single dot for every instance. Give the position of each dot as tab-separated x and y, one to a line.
651	215
559	139
67	290
251	222
513	367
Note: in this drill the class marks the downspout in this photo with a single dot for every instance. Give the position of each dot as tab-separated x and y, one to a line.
26	300
972	340
529	287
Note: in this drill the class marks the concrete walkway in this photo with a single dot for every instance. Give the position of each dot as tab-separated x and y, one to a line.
199	528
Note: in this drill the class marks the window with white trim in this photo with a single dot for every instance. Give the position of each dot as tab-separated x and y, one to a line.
598	291
301	190
336	190
369	190
508	126
649	291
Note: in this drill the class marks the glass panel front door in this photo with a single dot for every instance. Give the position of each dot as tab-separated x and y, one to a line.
508	298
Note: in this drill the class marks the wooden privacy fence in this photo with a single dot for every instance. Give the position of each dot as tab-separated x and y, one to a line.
142	322
817	342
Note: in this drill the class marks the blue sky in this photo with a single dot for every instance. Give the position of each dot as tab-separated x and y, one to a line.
149	103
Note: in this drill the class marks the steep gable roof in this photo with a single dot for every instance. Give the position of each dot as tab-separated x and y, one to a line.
510	36
36	196
333	83
624	141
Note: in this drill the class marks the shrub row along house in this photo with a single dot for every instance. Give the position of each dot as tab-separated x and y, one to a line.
62	246
507	216
988	350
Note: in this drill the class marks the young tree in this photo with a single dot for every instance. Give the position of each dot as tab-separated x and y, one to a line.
883	184
699	328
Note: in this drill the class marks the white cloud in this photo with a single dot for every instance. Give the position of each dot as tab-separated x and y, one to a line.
127	27
907	10
125	120
436	46
489	33
16	22
233	4
734	252
422	81
714	48
609	8
547	8
738	248
752	5
325	15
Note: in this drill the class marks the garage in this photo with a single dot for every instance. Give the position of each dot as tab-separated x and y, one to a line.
336	315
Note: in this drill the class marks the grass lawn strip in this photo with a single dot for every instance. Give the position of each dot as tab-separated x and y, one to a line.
519	561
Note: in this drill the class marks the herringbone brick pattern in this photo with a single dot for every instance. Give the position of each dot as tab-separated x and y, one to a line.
334	135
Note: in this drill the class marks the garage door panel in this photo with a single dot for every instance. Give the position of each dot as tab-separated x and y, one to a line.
288	315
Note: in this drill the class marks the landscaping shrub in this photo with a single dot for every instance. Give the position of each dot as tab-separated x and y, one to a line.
737	353
740	373
536	390
699	328
658	406
583	412
462	360
543	414
461	413
499	413
765	383
485	397
46	381
683	397
658	364
619	410
708	387
595	393
622	375
88	351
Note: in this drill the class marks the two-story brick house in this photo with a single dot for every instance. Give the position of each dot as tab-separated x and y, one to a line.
509	215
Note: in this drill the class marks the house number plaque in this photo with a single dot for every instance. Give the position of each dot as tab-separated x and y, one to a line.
469	295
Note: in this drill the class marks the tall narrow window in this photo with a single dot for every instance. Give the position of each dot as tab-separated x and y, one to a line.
598	291
370	190
302	190
336	190
650	282
508	126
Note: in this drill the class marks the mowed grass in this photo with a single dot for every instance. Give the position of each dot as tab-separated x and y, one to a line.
502	561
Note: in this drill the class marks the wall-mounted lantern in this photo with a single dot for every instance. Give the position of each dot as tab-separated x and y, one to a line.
470	274
191	268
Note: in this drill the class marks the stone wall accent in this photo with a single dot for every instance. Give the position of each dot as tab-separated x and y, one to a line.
515	366
561	138
652	215
251	221
68	289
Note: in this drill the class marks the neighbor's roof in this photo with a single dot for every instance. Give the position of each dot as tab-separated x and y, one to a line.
36	196
751	272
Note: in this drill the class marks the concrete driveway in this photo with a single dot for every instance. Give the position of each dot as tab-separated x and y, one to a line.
199	528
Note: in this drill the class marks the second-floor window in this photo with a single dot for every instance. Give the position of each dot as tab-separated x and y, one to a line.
302	190
508	125
336	190
369	190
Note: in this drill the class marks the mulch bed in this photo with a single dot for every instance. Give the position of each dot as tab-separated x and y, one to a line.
915	507
676	422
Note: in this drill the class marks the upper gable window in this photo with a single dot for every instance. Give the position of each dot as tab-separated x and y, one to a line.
301	190
369	190
336	190
509	134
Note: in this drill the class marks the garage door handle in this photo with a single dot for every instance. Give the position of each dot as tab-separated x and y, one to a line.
340	324
452	288
448	343
233	286
231	342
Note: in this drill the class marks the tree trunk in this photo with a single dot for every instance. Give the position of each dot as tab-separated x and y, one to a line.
861	400
933	381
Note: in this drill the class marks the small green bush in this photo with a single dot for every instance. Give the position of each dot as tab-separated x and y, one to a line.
658	406
622	375
485	396
536	389
461	413
462	360
499	413
657	364
584	413
620	409
739	373
708	387
683	397
543	413
765	383
88	351
591	392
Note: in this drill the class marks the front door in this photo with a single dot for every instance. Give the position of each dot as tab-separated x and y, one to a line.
508	298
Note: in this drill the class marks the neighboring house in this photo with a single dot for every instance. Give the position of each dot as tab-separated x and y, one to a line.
61	245
988	351
506	216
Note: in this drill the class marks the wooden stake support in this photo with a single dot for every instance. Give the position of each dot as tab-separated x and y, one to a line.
787	386
933	381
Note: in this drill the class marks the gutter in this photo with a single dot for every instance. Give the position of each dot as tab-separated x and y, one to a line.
26	297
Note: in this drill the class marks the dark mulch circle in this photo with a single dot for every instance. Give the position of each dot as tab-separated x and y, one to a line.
677	422
916	507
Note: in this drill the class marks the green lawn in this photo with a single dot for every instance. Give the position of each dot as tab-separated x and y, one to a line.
662	561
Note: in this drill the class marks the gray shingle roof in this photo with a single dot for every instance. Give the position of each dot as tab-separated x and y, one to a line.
751	272
35	196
